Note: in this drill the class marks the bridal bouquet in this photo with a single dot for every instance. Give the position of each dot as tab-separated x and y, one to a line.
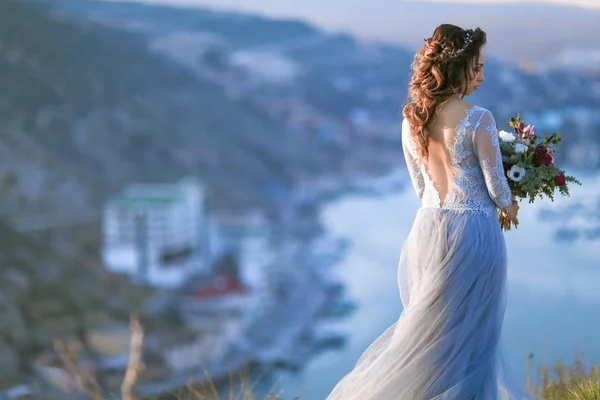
529	165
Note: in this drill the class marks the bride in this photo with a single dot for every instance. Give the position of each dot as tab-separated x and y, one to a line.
452	269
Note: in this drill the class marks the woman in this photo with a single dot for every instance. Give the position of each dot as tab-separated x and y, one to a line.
452	269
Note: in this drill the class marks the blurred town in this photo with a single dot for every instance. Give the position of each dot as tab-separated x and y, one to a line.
172	163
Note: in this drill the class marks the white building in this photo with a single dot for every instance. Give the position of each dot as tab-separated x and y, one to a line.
157	233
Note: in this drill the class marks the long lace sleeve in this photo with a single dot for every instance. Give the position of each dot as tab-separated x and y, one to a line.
414	169
487	147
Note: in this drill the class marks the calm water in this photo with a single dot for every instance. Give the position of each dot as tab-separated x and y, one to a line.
553	296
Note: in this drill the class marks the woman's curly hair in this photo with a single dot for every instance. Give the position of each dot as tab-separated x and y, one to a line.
441	69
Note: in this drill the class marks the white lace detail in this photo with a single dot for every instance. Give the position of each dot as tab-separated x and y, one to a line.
479	181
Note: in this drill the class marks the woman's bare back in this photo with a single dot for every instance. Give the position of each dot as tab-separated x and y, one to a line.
442	134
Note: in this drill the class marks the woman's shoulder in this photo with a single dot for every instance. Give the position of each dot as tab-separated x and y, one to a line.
460	106
456	110
480	110
472	111
460	112
480	114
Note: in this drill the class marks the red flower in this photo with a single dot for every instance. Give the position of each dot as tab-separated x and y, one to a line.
541	156
560	179
546	159
539	150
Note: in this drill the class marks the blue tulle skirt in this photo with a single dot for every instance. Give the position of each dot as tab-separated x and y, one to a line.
447	342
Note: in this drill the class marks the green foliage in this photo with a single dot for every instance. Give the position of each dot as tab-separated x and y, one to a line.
539	182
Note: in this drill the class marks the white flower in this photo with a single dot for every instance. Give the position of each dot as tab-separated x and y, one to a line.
507	136
520	148
516	173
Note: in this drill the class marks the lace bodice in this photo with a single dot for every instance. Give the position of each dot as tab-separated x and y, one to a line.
479	183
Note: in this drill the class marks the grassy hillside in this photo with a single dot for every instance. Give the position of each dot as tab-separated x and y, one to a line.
91	105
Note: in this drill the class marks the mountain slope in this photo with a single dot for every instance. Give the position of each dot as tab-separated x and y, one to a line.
101	110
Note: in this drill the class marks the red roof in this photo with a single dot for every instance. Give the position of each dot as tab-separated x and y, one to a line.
220	285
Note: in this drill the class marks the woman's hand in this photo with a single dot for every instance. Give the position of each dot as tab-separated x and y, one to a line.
507	216
512	211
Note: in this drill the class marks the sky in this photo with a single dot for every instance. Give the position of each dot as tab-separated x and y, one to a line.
314	6
316	10
538	34
375	19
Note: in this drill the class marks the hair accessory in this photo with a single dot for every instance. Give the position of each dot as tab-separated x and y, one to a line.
468	41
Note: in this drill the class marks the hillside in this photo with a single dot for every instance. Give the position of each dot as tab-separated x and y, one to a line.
86	103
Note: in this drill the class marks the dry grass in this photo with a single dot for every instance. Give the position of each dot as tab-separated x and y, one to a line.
567	382
558	382
69	355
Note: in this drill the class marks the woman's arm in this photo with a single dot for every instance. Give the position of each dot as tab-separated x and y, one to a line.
414	169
